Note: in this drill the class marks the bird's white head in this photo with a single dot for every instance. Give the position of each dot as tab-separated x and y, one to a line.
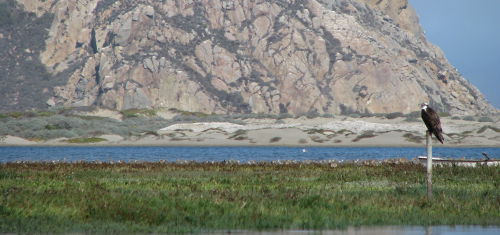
424	106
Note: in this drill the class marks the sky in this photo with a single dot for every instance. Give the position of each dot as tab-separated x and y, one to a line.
468	31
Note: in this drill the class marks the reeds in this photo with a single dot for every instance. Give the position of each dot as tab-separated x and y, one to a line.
196	197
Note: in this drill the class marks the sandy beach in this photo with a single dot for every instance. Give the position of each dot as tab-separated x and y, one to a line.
338	131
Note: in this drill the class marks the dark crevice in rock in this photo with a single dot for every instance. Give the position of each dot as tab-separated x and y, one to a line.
110	39
333	46
93	42
103	5
220	40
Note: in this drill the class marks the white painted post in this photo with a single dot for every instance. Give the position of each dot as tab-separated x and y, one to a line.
429	163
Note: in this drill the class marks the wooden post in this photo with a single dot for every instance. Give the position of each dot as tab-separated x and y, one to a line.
429	163
428	230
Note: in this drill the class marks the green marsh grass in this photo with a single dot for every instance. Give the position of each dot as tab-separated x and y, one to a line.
199	197
131	113
88	140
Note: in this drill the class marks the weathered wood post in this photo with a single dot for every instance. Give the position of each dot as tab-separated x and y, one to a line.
428	230
429	163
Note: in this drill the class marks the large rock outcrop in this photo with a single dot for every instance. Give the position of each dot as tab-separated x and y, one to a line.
278	56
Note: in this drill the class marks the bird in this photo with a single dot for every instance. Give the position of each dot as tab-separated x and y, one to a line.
431	120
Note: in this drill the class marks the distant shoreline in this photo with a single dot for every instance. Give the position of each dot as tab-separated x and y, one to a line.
246	145
290	132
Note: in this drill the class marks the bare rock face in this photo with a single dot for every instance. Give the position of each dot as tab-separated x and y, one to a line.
279	56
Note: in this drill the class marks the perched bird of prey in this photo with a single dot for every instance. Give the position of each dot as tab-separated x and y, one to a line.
431	120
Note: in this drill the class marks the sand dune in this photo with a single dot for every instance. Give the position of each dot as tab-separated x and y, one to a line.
339	131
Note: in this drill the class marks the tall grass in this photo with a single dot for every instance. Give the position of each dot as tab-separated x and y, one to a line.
197	197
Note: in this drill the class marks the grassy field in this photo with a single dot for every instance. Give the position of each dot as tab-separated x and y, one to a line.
196	197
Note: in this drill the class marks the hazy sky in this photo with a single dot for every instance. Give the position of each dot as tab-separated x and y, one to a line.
468	31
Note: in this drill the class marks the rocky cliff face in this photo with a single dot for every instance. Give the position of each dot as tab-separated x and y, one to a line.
217	56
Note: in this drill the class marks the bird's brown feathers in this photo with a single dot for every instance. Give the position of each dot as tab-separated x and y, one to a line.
431	120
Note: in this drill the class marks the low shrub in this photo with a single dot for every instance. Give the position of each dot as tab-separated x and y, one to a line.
317	139
394	115
45	113
47	134
15	114
345	132
413	138
315	131
415	114
484	128
312	114
413	117
468	118
28	114
443	114
130	113
279	121
485	119
354	115
184	118
48	127
284	115
239	135
275	139
85	140
327	115
366	134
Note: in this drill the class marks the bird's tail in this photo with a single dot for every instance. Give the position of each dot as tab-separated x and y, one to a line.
439	136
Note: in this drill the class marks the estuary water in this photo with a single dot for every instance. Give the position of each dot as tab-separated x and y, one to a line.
387	230
242	154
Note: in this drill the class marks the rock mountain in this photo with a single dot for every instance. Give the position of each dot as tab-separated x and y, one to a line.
218	56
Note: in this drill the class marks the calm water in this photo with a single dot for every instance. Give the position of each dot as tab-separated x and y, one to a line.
388	230
243	154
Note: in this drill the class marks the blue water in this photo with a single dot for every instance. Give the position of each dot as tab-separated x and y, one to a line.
243	154
400	230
